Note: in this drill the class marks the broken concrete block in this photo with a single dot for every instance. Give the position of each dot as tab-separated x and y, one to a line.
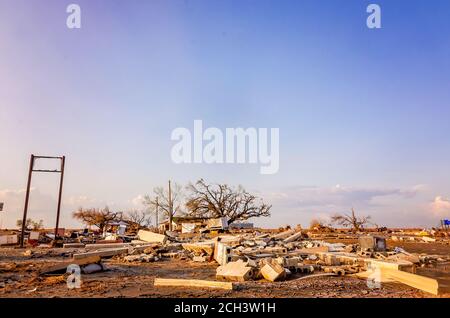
234	258
221	253
275	250
92	268
304	269
200	248
293	237
132	258
273	272
8	239
28	253
200	259
331	260
238	271
151	237
372	243
34	235
217	223
291	262
283	235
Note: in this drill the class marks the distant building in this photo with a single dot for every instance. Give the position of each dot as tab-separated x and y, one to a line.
241	226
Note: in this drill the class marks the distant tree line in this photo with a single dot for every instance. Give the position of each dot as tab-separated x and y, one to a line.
199	199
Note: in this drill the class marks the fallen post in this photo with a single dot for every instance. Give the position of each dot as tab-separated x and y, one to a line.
193	283
95	259
102	253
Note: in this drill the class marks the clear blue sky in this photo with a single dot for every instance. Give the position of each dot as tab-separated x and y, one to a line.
363	114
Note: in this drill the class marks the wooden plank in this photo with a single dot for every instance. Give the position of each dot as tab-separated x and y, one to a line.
102	253
107	245
312	250
62	266
426	284
370	274
73	245
193	283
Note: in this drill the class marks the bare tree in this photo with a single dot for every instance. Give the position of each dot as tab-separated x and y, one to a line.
97	217
351	220
163	204
31	225
220	200
140	219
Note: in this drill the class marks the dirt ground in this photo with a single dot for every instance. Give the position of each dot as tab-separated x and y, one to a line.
19	278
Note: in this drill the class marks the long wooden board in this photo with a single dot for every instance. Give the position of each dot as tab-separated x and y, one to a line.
102	253
193	283
63	265
426	284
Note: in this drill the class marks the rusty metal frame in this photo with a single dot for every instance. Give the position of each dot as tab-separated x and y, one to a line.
27	196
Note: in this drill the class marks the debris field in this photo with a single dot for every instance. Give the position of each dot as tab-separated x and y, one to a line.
232	263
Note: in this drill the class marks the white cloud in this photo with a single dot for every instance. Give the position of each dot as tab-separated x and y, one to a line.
387	206
335	196
440	206
81	201
41	206
137	201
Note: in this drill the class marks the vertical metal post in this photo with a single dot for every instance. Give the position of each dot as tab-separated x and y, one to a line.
63	162
27	198
170	208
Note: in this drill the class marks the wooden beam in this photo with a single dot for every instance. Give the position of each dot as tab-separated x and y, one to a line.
426	284
62	266
193	283
73	245
102	253
105	245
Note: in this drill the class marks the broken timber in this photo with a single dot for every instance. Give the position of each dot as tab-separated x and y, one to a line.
63	266
106	245
102	253
193	283
426	284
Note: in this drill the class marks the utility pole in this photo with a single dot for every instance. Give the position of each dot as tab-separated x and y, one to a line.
170	207
1	215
